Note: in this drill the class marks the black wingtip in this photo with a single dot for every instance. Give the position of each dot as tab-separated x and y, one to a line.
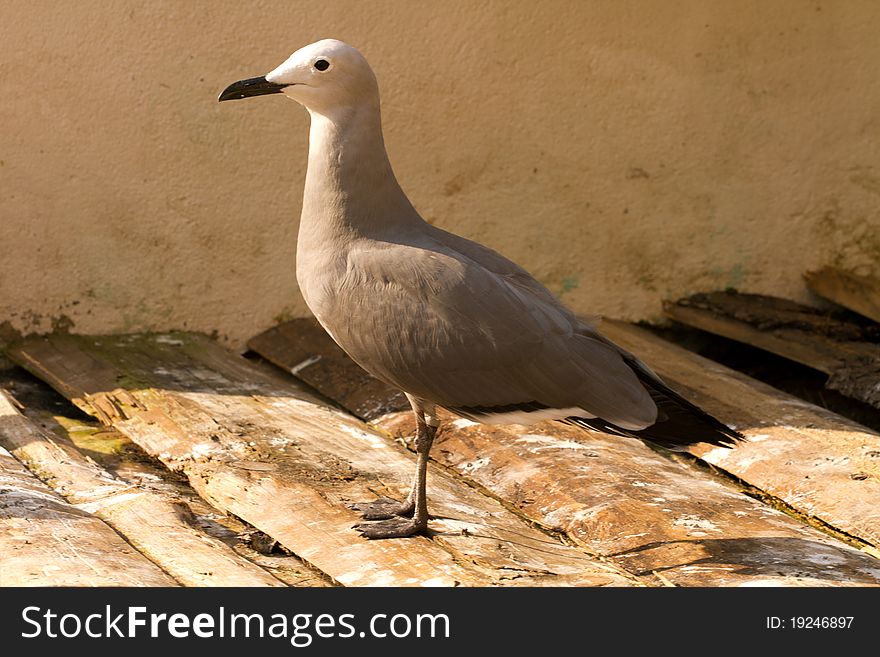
680	423
674	436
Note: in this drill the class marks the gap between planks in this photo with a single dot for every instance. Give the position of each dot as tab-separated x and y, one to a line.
805	335
858	293
127	461
46	541
816	461
160	528
615	496
261	448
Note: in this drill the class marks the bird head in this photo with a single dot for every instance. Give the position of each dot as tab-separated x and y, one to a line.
324	76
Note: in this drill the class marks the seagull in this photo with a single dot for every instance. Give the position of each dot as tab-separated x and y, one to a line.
448	321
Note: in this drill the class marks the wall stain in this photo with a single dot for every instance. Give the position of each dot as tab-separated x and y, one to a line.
864	178
570	283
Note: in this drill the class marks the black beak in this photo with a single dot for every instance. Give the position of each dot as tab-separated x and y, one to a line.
250	87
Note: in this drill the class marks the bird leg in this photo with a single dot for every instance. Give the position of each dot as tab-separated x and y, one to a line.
385	507
389	515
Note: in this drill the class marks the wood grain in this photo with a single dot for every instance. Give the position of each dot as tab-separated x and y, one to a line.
619	498
858	293
805	335
264	449
157	525
820	463
45	541
125	460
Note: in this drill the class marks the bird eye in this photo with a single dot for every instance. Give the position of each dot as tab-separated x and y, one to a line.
321	65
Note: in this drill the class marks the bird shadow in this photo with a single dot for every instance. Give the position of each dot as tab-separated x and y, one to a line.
765	556
178	363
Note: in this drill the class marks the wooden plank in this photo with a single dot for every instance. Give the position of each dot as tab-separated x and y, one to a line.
645	512
821	339
858	293
264	449
806	335
157	525
44	541
820	463
119	456
620	499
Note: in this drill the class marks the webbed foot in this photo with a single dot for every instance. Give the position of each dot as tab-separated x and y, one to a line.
396	527
384	508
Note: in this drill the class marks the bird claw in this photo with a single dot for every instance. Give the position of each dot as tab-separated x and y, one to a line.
384	508
396	527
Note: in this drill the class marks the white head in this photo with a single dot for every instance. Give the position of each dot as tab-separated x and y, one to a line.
325	76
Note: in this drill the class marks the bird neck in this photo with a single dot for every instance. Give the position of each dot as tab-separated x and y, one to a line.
350	186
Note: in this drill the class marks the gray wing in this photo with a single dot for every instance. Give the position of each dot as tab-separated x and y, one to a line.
452	322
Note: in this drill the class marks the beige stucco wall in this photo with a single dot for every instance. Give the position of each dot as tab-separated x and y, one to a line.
624	152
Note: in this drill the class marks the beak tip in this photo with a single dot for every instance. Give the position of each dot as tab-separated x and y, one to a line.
250	87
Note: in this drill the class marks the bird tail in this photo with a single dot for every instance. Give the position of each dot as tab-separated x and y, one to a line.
679	424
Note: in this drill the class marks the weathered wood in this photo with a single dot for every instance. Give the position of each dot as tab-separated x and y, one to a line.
619	498
118	455
44	541
809	336
820	463
858	293
647	513
261	448
123	459
158	526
